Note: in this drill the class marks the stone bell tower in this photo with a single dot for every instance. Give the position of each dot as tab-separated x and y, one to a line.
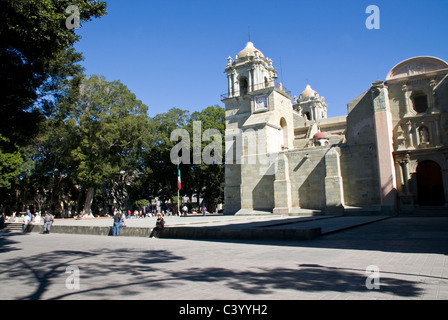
259	125
311	105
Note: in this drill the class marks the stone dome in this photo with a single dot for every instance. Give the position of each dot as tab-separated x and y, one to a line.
249	50
319	135
308	93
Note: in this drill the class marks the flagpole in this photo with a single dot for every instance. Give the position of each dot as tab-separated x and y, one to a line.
178	199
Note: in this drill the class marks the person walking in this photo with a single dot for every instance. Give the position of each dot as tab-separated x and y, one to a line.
26	222
160	224
48	221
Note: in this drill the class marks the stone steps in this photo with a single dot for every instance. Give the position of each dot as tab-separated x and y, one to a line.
14	226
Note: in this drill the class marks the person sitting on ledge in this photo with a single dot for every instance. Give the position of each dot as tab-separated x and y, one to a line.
160	224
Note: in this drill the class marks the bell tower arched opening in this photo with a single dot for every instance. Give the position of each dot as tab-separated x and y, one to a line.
244	85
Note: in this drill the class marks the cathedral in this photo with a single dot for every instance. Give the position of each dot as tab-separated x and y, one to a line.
387	155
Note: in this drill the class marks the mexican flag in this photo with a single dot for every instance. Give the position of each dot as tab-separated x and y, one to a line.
178	179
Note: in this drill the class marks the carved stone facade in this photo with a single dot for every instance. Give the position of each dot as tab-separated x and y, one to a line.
419	100
283	154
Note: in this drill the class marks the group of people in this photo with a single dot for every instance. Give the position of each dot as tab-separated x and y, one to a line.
28	218
141	214
48	221
185	211
119	222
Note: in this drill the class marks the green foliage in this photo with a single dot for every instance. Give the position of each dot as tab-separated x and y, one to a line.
110	130
98	144
159	178
10	163
65	134
208	180
162	176
175	202
110	135
39	73
141	203
38	64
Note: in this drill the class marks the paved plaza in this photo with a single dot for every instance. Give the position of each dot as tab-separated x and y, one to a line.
398	258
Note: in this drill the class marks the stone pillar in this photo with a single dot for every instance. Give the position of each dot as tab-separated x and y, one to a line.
250	81
334	190
232	189
384	144
437	136
405	164
406	201
432	96
282	186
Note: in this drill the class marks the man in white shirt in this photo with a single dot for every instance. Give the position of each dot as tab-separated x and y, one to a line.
26	222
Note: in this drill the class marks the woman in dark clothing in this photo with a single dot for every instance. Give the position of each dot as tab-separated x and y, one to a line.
160	224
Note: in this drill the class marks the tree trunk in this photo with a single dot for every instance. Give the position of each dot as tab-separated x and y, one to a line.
87	211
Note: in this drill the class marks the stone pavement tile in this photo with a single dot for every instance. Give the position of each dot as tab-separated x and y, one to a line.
437	271
443	291
359	297
324	295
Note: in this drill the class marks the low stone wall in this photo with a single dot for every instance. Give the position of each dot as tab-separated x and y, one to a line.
240	234
190	233
91	230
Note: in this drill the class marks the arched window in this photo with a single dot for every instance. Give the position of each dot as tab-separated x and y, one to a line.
243	86
420	102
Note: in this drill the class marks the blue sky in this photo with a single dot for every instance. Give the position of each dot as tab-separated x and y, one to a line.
172	53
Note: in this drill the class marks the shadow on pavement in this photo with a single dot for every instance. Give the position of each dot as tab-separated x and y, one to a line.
6	243
44	270
398	234
143	271
311	279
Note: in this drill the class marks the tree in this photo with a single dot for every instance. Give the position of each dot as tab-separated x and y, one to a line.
38	67
140	204
161	172
195	143
49	171
109	135
36	57
208	179
92	150
9	165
